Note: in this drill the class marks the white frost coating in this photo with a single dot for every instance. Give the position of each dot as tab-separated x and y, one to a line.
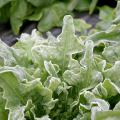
35	35
17	114
24	37
68	24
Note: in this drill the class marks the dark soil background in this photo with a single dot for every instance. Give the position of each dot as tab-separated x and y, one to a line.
9	38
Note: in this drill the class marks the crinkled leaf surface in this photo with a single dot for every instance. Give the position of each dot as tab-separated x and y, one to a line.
69	77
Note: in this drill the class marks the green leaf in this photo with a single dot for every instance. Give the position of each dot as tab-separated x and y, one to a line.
117	10
62	49
36	16
111	88
17	14
17	93
41	3
67	38
81	25
111	53
106	89
111	34
113	73
54	83
51	69
106	15
3	2
67	77
6	56
92	6
87	71
52	16
83	5
100	91
5	13
11	87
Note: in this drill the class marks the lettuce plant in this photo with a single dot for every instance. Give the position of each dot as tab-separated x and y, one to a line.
48	13
65	78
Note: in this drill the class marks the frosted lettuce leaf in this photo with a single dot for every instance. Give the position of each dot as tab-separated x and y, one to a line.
6	56
20	72
17	93
67	77
90	103
111	53
50	68
113	73
81	26
106	89
62	51
87	71
117	19
106	15
111	34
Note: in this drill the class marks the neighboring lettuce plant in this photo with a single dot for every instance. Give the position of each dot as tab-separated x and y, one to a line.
48	13
70	77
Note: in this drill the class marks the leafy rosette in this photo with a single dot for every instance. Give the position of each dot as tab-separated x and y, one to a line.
65	78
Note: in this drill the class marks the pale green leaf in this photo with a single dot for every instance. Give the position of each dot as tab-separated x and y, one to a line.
54	83
113	73
17	93
6	56
50	69
111	34
117	19
111	53
111	88
62	49
87	71
81	25
106	15
117	106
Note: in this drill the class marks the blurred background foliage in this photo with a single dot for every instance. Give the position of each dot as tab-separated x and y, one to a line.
49	13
